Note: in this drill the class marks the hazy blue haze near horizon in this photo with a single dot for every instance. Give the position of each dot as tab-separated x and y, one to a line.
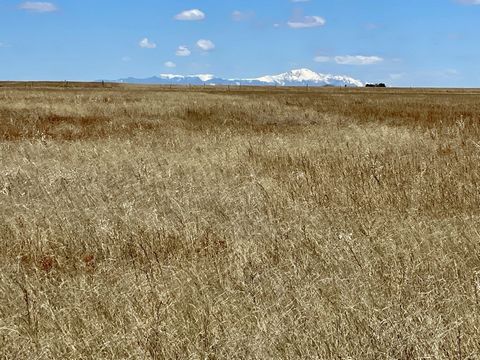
402	43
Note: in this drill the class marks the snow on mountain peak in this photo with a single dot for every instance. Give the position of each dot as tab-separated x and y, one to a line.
170	76
307	76
303	74
297	77
204	77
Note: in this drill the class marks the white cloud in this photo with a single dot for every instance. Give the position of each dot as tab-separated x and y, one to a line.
357	60
182	50
307	22
170	64
147	44
349	59
190	15
205	45
322	58
36	6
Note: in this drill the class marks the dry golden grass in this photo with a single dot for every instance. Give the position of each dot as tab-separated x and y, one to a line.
143	222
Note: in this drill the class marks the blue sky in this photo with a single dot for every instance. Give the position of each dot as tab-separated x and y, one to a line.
400	42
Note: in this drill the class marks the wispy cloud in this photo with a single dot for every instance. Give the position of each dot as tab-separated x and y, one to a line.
357	60
322	59
40	7
371	26
205	45
469	2
349	59
190	15
238	15
182	50
147	44
170	64
307	22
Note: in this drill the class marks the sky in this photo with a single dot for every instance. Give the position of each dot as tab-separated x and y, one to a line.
399	42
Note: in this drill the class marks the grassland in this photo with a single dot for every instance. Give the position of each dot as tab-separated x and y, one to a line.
143	222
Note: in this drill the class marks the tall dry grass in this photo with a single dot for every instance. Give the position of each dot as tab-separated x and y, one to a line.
153	223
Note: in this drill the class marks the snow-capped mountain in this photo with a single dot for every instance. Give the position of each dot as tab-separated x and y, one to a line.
167	79
299	77
307	76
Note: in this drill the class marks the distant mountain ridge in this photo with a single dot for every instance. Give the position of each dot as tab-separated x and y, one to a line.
298	77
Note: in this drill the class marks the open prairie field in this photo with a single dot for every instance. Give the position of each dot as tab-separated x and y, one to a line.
148	222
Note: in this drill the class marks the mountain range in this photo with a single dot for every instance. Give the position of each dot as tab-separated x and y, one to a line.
298	77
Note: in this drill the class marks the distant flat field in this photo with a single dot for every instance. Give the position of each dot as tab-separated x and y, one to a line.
238	223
